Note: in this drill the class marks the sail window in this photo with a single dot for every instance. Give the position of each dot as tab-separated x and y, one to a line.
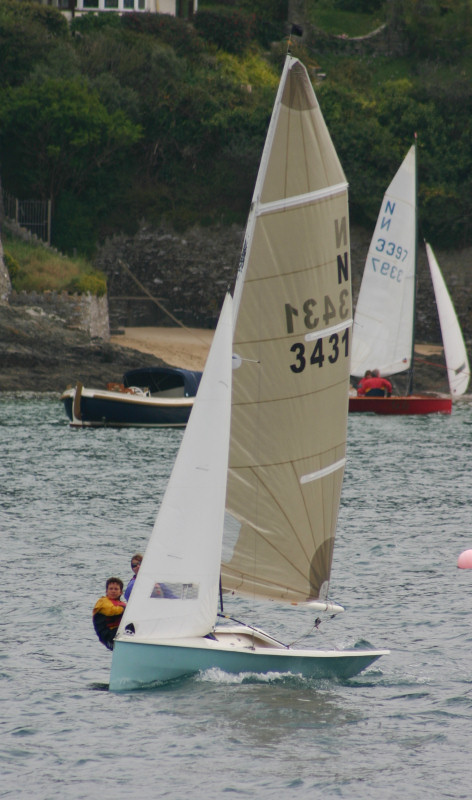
175	591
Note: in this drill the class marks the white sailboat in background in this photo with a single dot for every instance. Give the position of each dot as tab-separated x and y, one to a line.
283	424
455	353
384	321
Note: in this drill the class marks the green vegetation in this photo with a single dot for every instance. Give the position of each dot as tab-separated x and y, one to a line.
332	19
33	267
144	116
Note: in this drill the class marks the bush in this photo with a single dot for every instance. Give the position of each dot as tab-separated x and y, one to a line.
93	22
228	28
177	33
270	16
359	6
50	18
88	283
23	45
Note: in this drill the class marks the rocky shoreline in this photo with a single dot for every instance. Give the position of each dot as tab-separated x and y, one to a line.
39	354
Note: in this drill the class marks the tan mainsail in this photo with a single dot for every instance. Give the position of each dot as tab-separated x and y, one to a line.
292	344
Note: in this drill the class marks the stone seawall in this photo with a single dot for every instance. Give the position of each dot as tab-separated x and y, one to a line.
188	274
159	270
82	311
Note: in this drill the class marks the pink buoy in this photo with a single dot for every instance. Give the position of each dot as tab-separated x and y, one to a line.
465	560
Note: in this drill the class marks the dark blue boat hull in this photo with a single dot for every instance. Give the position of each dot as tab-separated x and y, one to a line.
102	411
149	397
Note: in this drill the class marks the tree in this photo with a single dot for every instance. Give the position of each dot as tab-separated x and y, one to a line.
68	138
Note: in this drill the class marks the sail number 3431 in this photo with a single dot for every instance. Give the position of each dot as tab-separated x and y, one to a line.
336	344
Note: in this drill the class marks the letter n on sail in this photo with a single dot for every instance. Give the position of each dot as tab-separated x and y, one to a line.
340	228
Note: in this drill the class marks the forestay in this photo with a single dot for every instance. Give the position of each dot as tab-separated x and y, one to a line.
291	342
384	318
176	591
458	370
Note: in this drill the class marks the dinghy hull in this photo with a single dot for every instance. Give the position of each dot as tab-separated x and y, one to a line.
139	665
412	404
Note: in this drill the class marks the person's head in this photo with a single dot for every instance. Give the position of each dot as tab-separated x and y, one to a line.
114	587
136	562
367	373
375	373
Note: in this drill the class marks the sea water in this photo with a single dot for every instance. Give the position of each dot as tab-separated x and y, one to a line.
76	504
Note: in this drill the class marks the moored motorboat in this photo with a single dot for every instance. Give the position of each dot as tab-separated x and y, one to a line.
148	397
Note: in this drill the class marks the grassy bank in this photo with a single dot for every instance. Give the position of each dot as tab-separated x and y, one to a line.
34	267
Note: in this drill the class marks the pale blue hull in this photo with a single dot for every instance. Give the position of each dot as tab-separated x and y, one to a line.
138	665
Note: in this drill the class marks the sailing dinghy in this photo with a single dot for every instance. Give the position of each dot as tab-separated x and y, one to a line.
267	434
384	322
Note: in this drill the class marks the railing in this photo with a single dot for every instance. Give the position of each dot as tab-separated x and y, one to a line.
34	215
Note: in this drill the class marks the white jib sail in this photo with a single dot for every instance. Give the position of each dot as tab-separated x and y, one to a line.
176	591
384	317
292	337
458	370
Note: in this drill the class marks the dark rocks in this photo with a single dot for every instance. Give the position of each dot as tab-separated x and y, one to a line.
38	353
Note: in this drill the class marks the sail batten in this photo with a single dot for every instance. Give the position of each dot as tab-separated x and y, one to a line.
315	476
298	201
309	337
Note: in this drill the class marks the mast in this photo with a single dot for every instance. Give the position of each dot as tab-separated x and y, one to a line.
410	376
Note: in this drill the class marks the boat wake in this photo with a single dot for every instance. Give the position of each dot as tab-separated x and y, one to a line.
216	675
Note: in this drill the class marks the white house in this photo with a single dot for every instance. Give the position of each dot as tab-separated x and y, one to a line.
176	8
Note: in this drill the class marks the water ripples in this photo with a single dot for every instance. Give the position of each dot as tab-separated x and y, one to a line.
76	504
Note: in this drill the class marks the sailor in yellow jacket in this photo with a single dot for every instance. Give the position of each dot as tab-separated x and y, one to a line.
108	611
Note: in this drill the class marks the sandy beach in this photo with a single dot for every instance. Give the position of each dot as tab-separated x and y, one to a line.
180	347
